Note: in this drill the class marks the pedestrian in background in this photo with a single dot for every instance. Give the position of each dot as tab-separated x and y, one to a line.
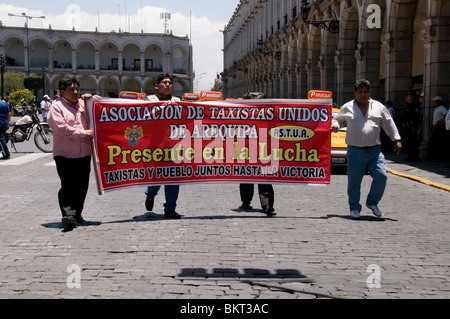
364	118
266	193
447	143
45	107
5	118
164	86
437	133
412	120
386	144
71	149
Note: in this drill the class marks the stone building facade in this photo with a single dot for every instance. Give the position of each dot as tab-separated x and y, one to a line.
399	45
104	63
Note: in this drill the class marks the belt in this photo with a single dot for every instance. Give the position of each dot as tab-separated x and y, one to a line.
365	147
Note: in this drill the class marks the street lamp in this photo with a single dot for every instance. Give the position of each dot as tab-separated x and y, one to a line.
43	71
2	66
330	26
27	17
276	54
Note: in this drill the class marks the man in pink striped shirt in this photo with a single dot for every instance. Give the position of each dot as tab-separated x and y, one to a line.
71	149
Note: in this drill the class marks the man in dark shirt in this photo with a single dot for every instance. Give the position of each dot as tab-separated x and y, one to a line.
413	114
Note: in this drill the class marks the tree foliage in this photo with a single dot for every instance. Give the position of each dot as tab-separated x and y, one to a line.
13	82
19	96
32	83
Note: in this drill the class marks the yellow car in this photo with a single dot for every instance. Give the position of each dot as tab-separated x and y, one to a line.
338	145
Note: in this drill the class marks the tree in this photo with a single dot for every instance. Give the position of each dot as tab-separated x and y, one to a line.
33	83
19	96
13	82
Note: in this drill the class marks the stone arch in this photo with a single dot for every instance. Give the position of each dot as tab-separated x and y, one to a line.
154	57
312	62
132	84
61	54
108	53
86	53
14	47
38	53
345	53
109	86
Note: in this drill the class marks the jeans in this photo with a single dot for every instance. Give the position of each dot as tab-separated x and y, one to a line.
171	192
3	146
359	160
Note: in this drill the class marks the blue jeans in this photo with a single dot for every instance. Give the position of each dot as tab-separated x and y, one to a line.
3	146
360	159
171	192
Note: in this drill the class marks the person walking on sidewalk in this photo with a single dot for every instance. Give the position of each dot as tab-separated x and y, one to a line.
364	119
71	149
164	87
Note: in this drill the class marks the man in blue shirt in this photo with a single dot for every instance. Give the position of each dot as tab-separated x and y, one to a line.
5	118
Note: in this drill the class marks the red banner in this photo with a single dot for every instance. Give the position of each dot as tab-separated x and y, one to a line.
246	141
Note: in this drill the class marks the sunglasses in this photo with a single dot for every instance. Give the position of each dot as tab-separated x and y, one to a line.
166	82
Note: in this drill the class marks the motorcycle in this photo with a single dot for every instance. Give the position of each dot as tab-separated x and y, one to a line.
23	129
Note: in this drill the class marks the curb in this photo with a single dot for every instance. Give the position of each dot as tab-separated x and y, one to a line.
420	180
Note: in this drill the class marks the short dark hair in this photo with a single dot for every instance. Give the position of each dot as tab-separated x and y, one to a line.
67	81
361	84
163	76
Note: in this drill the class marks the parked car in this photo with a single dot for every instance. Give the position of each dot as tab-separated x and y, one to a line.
338	145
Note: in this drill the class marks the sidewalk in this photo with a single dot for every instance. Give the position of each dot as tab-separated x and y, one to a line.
428	173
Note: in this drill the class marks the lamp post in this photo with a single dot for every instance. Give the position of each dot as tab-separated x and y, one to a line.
27	17
2	66
276	54
330	26
43	70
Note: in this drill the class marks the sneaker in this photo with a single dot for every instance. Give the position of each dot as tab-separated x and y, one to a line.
69	221
375	210
5	157
354	214
149	202
245	207
171	214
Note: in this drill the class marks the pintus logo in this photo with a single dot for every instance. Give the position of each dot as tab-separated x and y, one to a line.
320	95
210	96
190	97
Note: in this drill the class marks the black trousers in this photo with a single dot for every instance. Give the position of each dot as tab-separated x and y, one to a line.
74	174
266	194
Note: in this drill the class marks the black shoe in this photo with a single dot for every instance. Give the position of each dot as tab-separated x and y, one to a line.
171	214
79	219
269	211
149	202
6	157
245	207
69	221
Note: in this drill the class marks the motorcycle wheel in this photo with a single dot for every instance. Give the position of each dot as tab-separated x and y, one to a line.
44	140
